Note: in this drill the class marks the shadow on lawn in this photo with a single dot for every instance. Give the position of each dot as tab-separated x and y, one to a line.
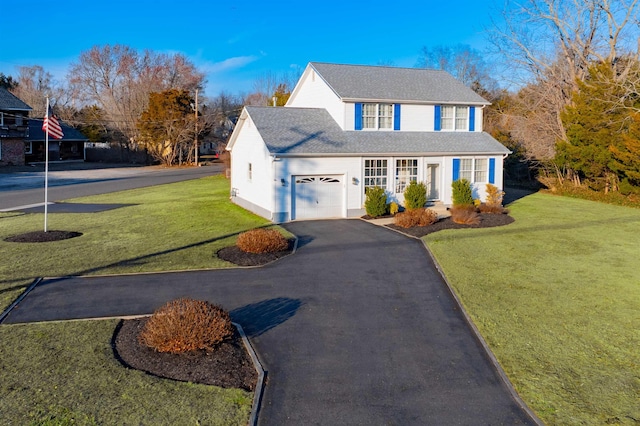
258	318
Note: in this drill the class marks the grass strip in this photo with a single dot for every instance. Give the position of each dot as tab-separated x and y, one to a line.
66	373
556	296
176	226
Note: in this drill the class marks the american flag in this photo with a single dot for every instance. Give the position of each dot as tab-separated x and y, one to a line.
51	125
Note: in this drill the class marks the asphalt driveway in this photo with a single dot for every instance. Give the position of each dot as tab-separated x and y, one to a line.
356	328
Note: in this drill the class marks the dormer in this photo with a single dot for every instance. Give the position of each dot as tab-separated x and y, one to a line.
373	98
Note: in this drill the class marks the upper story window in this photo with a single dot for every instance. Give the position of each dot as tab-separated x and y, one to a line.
454	117
377	116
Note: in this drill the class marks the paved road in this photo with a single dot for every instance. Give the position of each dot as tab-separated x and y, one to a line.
27	188
355	328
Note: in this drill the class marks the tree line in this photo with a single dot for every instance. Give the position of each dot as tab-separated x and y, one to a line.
563	78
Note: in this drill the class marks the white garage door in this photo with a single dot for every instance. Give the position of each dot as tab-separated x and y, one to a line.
317	197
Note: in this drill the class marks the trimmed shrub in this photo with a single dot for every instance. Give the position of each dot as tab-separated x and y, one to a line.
262	241
416	217
185	325
415	195
491	208
465	215
462	194
376	202
393	208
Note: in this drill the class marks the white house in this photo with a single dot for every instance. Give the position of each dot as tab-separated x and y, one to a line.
346	128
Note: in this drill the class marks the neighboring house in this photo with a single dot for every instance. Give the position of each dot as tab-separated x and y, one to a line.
347	128
70	147
14	129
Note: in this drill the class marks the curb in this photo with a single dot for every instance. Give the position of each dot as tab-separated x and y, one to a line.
257	395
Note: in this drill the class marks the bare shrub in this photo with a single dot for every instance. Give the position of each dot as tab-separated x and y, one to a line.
465	215
416	217
262	241
185	325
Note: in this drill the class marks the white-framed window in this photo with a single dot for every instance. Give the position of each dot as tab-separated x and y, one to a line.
377	116
375	173
454	117
406	172
475	170
250	172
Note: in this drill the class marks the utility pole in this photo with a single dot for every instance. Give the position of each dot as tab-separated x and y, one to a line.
196	135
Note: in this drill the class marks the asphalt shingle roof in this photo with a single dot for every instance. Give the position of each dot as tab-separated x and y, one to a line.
10	102
312	131
359	82
37	134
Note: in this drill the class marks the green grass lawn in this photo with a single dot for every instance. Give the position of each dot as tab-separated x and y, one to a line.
167	227
65	373
557	297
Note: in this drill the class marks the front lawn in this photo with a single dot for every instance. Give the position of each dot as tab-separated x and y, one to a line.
167	227
64	373
557	297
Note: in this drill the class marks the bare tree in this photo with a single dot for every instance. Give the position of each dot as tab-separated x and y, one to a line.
548	46
268	84
34	85
119	80
463	62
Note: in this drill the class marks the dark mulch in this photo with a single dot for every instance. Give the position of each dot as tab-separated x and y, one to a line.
228	365
487	220
42	237
241	258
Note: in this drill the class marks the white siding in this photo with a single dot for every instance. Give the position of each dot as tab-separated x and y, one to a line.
312	92
417	118
249	148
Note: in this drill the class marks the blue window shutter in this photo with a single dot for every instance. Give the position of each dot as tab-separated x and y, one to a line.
436	124
456	169
492	170
396	117
472	119
358	121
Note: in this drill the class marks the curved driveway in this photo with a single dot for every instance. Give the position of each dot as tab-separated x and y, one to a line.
356	328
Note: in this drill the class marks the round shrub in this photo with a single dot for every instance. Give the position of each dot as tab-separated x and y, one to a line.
262	241
415	195
465	215
416	217
185	325
376	202
461	193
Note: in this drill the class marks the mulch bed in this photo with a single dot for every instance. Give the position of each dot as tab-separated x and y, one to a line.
234	255
227	366
487	220
42	237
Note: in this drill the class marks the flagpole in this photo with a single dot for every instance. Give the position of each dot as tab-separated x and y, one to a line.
46	169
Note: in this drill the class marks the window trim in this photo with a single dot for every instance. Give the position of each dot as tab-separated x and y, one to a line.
454	118
411	177
383	177
471	173
378	116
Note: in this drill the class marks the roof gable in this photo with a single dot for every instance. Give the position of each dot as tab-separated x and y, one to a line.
376	83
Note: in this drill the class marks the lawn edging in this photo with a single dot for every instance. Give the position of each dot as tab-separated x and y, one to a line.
19	299
501	373
257	395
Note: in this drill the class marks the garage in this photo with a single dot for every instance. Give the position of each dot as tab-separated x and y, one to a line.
316	197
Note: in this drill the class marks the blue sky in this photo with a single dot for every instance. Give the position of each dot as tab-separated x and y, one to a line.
235	43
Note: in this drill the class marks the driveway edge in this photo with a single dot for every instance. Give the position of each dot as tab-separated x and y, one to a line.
19	299
257	395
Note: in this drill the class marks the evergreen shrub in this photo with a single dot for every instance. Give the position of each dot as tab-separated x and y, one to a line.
415	195
461	193
376	202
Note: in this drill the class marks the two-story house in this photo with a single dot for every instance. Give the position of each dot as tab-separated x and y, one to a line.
347	128
14	128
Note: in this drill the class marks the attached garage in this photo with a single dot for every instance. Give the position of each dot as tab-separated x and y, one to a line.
318	197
